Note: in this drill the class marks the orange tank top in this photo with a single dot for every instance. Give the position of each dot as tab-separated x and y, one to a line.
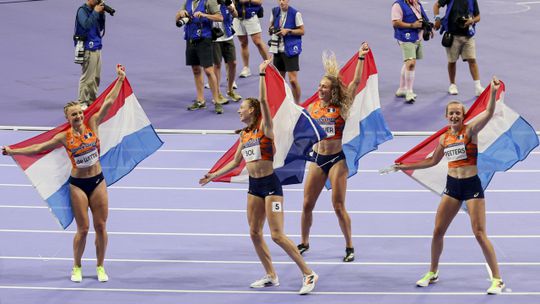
256	146
329	118
83	150
459	149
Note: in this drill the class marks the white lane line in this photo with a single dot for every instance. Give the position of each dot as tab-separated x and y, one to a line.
287	190
370	236
109	260
206	291
286	211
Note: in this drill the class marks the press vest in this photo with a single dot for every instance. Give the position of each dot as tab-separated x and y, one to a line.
459	149
408	34
329	118
292	43
94	33
197	28
83	150
246	10
444	21
256	146
227	20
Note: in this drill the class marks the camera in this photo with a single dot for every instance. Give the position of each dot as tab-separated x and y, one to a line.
182	21
109	10
273	31
427	27
273	43
216	33
79	49
225	2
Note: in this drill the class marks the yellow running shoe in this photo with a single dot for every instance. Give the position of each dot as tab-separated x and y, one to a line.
429	278
101	274
497	286
76	274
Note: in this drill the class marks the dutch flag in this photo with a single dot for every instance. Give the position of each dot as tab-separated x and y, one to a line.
506	139
126	138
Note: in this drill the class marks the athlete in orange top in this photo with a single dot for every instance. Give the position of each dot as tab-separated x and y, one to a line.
86	187
329	161
459	146
265	195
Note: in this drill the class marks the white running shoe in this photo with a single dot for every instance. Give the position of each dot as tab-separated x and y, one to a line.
308	283
410	97
265	281
497	286
246	72
452	89
401	92
234	85
207	85
478	90
101	274
76	274
429	278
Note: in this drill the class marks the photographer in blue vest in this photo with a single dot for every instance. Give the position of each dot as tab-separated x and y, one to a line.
459	22
89	30
248	24
410	24
197	17
286	31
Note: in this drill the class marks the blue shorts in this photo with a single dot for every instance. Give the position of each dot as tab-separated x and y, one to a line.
464	189
87	185
265	186
326	162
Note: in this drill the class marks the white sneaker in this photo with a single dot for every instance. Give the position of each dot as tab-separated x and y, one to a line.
429	278
234	85
308	283
207	85
265	281
478	90
401	92
246	72
410	97
497	286
452	89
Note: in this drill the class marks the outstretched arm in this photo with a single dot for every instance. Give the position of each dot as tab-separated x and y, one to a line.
54	142
96	119
265	109
478	124
353	86
208	177
426	163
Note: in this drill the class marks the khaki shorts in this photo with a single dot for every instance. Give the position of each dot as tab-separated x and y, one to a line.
247	26
462	45
412	50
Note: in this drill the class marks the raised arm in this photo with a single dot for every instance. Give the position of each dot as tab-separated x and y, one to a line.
52	143
96	119
265	109
353	86
478	124
426	163
208	177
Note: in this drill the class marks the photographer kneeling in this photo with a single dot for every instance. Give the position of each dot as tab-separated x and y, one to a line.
197	17
409	19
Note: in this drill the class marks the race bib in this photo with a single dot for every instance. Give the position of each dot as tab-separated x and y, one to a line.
276	207
87	160
252	153
455	152
330	129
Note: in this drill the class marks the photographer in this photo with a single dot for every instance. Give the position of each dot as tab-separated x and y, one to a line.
460	22
89	30
410	23
248	23
286	31
197	17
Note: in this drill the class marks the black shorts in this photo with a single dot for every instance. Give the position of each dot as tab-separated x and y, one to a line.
464	189
199	52
88	184
225	50
286	64
265	186
326	162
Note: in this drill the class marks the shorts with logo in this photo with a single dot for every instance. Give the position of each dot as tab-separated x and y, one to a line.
224	49
199	52
283	63
247	26
464	189
412	50
87	185
462	45
265	186
326	162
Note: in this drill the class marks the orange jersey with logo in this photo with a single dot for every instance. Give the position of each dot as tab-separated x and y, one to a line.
459	149
329	118
256	146
83	150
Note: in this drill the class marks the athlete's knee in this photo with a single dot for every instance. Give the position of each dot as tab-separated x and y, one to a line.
100	227
255	234
438	232
278	236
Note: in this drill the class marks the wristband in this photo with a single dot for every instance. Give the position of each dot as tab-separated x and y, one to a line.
262	74
361	57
